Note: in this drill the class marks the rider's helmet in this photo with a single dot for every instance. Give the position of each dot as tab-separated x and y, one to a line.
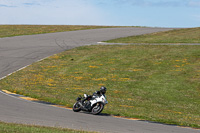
103	90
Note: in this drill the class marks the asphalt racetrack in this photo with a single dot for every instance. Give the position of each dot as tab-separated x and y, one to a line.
18	52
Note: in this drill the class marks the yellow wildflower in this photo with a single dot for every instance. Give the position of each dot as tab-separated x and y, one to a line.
100	79
176	66
125	79
93	66
55	57
117	91
130	99
138	69
78	78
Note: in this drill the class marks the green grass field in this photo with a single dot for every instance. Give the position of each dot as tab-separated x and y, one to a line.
157	83
18	30
189	35
19	128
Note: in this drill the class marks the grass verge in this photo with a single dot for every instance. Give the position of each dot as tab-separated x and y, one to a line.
19	128
156	83
189	35
17	30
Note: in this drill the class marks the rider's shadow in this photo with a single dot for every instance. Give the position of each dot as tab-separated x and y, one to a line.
104	114
101	114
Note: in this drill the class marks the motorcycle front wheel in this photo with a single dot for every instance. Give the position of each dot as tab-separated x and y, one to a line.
97	109
76	107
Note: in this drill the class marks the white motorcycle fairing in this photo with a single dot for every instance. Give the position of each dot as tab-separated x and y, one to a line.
96	99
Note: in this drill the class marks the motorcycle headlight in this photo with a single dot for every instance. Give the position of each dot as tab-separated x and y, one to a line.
103	100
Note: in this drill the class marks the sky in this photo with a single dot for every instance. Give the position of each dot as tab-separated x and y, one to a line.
151	13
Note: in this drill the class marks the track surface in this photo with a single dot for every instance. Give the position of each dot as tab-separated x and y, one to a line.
17	52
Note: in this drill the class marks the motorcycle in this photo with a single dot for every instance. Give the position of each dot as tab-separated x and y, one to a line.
94	104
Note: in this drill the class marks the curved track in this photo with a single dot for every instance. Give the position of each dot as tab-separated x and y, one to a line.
17	52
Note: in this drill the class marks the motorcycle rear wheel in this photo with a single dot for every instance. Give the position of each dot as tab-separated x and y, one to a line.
97	109
76	107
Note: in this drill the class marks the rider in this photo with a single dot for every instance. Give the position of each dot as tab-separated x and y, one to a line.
101	92
98	93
